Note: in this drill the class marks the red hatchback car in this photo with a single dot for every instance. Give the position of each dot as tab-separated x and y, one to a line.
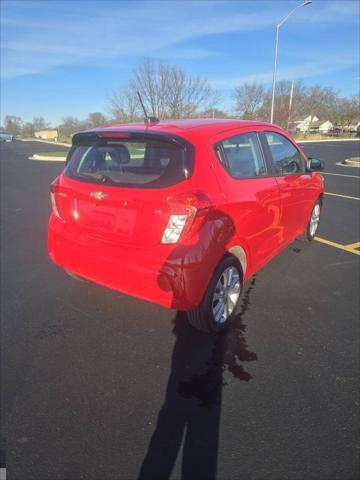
182	213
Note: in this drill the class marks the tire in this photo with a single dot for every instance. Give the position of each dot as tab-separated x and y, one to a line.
207	316
313	223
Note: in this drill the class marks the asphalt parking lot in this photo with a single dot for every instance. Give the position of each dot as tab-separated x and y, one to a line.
101	386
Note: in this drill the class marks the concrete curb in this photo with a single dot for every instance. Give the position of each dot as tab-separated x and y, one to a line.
48	159
44	141
348	163
329	140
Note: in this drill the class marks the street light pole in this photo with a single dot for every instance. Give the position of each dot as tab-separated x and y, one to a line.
290	102
278	25
274	74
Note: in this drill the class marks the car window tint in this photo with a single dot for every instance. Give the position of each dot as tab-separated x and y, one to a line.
142	163
243	156
286	158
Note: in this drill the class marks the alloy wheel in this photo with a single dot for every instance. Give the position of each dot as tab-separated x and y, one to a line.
314	220
226	295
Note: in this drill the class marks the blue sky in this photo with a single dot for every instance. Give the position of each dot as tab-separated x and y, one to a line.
67	57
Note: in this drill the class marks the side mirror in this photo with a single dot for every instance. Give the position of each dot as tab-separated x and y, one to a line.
314	164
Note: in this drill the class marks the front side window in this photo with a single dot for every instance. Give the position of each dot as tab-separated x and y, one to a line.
242	156
286	158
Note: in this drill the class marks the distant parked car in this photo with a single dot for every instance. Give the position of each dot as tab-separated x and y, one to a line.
6	137
182	213
335	131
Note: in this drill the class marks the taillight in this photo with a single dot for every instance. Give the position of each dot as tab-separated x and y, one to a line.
174	228
184	209
53	204
60	200
53	189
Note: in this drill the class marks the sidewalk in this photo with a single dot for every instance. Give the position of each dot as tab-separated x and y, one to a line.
44	141
48	159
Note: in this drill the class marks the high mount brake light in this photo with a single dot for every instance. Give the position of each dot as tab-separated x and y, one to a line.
114	135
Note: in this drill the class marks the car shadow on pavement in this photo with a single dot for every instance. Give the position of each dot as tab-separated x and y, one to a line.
190	416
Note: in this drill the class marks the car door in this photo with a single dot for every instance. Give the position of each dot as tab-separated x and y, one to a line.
251	193
295	183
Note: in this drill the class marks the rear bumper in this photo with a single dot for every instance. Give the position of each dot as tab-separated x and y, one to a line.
155	274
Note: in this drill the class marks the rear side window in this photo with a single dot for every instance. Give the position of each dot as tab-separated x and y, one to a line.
286	158
146	164
242	156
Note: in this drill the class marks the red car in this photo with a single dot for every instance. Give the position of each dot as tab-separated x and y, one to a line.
182	213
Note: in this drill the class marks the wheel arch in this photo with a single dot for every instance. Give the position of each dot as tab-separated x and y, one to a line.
321	199
239	253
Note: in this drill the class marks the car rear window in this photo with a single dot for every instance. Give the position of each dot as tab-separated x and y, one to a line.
131	163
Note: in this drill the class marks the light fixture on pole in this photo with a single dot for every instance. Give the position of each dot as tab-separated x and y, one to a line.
276	55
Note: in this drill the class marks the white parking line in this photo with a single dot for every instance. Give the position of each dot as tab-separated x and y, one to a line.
342	196
340	175
40	158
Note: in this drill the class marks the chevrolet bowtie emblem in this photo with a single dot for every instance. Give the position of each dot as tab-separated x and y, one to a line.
98	195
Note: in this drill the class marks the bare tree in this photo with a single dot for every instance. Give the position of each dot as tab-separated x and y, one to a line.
347	111
282	113
40	123
167	91
13	124
353	109
320	102
213	113
95	119
124	106
69	126
249	98
28	129
253	101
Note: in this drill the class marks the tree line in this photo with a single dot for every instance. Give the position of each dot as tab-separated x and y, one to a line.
69	125
253	101
168	91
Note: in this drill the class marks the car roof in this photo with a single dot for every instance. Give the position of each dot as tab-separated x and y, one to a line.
198	126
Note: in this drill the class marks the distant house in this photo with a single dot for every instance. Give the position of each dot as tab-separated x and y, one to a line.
320	126
302	125
47	134
311	124
352	128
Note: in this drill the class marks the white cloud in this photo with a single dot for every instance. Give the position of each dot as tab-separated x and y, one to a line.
306	69
38	35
